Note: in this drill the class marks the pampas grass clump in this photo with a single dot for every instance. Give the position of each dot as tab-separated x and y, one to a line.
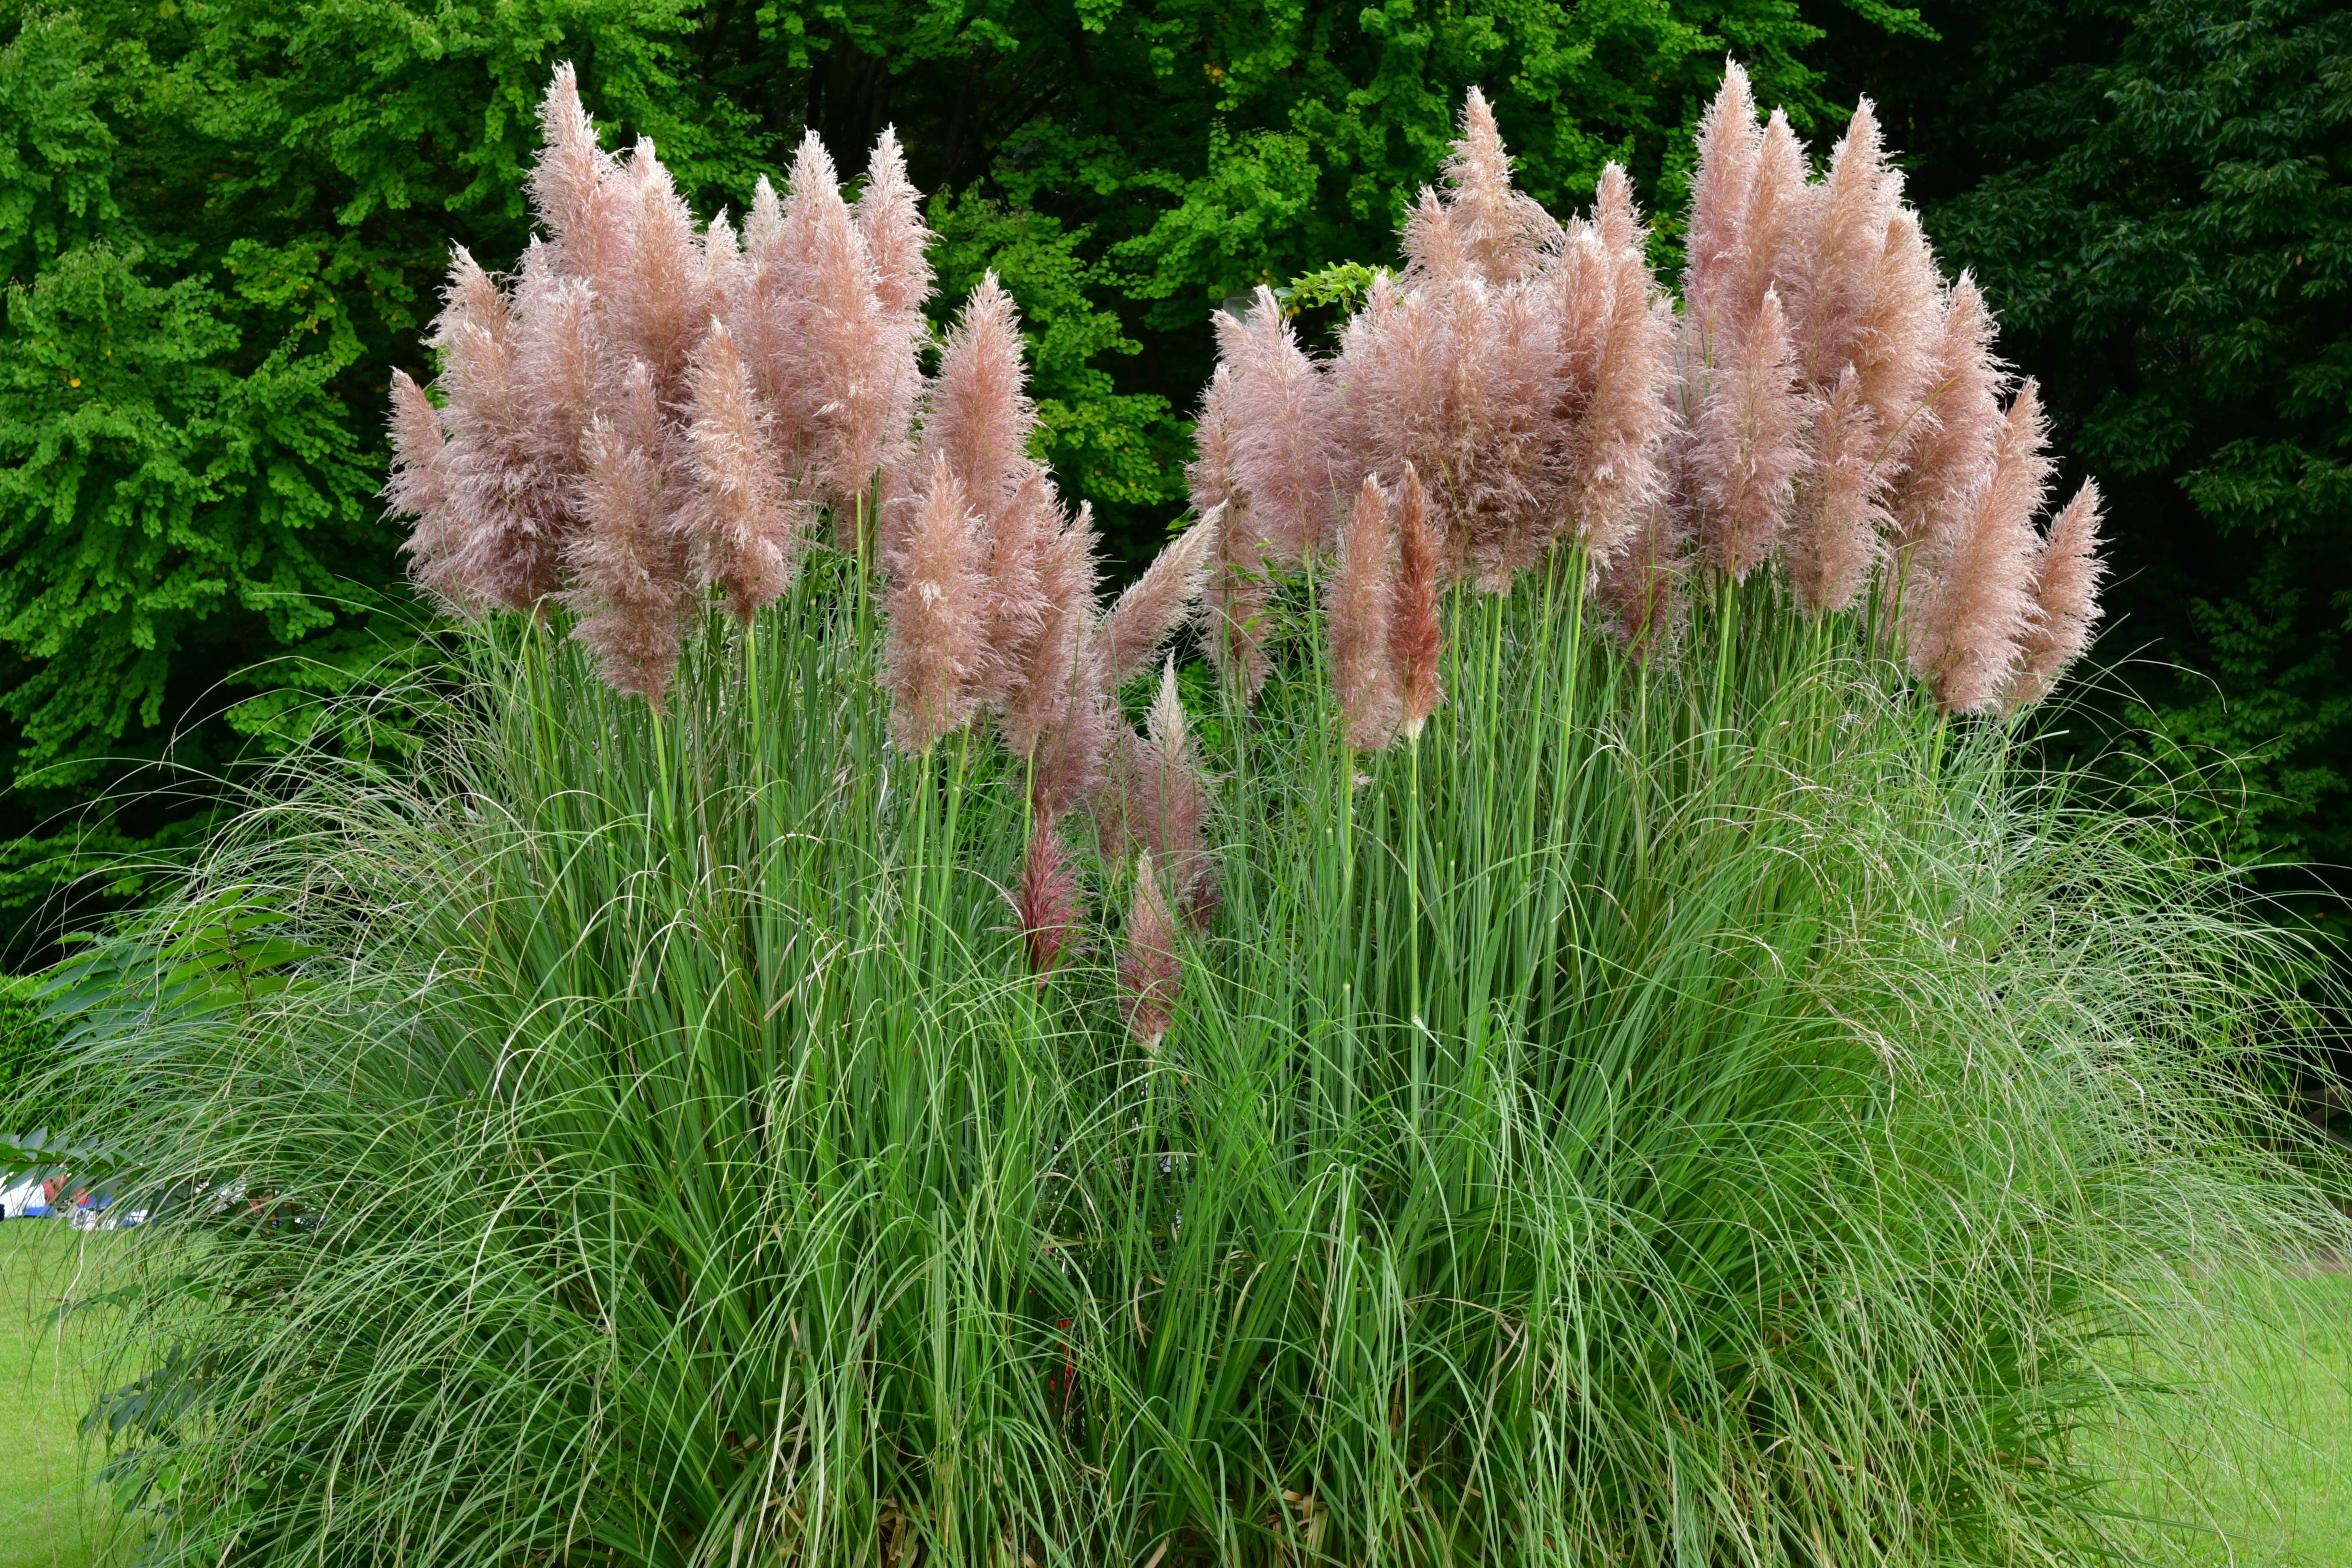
1562	1043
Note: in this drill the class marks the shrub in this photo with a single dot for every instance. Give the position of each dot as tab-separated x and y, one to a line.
27	1037
1524	1063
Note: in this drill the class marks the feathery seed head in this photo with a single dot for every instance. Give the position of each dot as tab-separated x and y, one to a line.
1833	534
891	220
1975	605
575	186
1279	427
1149	971
626	562
1165	724
1844	249
1415	639
1745	455
1502	233
2066	571
1050	901
1729	147
741	522
938	625
1159	601
1359	607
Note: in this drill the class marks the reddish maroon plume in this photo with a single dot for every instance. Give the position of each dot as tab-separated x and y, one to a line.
1050	900
1149	971
1357	613
1414	637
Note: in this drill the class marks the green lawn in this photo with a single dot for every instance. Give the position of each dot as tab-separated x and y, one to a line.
2281	1491
50	1516
2287	1482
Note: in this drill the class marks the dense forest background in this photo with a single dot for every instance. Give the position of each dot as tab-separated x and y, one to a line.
222	222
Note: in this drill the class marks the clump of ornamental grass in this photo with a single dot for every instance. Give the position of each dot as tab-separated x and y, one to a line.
1586	1039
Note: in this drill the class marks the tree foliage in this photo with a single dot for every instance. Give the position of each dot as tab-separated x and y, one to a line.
219	221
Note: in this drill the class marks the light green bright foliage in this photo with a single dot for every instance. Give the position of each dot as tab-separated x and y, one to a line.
218	221
1712	1113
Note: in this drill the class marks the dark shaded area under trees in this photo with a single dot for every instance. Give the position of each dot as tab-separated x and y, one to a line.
223	223
2158	201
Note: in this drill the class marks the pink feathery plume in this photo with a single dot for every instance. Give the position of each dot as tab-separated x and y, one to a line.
559	362
2067	572
1175	802
659	306
978	415
1432	244
1149	971
1502	233
1280	431
576	187
1014	543
763	226
1397	370
417	488
1234	598
889	215
862	362
1504	442
1583	309
1963	404
1844	250
937	624
1049	901
1613	476
1153	795
1156	602
1894	347
741	522
1416	639
1729	147
1746	456
724	269
792	251
504	513
560	351
1359	606
1210	474
1833	534
1458	378
1060	714
1976	607
1470	393
767	308
979	422
625	562
1771	254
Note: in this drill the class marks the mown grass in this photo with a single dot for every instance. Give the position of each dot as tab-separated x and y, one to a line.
2270	1486
50	1516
